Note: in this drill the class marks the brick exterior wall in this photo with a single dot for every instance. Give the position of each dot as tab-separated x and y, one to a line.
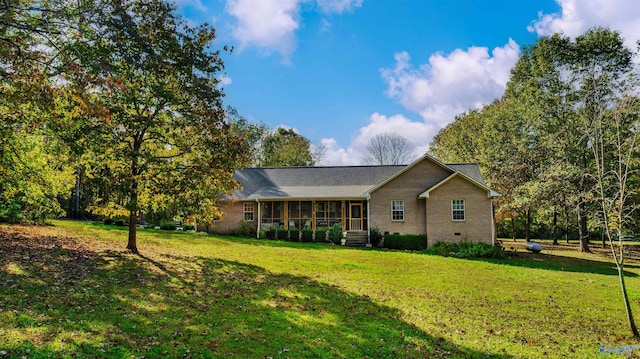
406	187
230	222
478	224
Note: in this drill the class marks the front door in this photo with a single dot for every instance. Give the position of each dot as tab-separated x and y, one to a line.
356	216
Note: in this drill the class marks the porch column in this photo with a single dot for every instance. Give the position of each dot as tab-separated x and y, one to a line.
368	225
313	215
286	214
344	219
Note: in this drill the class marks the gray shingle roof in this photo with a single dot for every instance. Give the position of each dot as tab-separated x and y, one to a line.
311	182
470	169
323	182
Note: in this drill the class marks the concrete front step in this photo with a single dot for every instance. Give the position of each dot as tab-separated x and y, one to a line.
356	239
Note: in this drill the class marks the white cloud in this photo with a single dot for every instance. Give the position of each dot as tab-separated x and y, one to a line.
224	80
338	6
451	84
270	25
419	134
446	86
577	16
334	155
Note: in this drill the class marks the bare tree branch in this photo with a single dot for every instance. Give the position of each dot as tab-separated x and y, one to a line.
389	149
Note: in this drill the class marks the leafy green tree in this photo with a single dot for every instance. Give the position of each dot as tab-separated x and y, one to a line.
254	135
34	168
537	99
35	173
458	141
164	133
286	148
596	66
510	157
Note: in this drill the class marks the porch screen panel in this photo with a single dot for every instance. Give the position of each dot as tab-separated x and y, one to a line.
328	214
272	214
300	214
335	213
322	214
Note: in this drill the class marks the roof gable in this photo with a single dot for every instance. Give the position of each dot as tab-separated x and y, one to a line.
490	193
426	157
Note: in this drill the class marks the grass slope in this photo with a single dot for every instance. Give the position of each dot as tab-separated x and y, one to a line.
72	291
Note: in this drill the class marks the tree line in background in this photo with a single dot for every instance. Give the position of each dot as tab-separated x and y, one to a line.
561	145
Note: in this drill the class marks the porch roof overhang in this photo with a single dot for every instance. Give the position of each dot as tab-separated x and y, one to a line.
309	193
490	193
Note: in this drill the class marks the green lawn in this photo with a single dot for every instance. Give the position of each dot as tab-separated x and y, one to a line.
70	290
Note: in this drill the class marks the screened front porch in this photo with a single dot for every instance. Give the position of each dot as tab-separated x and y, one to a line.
348	215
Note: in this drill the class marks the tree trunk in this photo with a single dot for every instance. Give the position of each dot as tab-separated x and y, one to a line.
513	228
566	226
555	227
131	244
627	305
133	200
527	226
582	227
133	211
77	196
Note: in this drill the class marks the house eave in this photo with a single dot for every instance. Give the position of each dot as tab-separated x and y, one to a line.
325	198
490	193
408	167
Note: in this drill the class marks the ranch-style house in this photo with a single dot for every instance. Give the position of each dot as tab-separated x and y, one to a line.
447	202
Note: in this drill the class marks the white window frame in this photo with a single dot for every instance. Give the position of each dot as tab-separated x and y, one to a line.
457	209
248	208
398	210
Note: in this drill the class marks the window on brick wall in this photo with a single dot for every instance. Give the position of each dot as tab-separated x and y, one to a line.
247	212
397	210
457	210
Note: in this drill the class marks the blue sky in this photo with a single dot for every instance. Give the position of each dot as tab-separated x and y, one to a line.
342	71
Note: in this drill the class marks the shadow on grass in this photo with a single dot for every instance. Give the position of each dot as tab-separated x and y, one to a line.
64	300
523	259
545	260
280	243
561	263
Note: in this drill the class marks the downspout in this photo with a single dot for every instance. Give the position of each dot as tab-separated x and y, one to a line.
368	222
259	221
